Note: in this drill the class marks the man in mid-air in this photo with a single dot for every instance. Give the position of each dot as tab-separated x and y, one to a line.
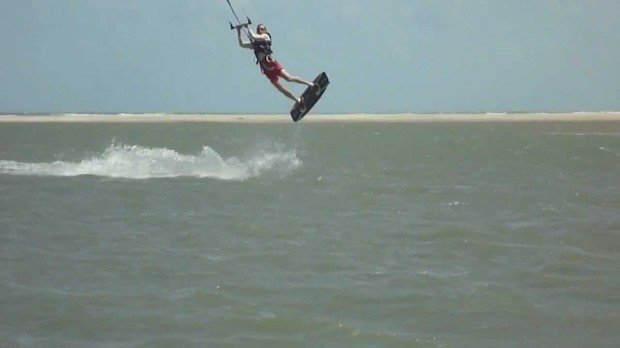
261	44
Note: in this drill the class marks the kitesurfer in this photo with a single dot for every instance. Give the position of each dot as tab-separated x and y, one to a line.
260	42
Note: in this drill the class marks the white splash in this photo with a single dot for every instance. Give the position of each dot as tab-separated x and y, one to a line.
137	162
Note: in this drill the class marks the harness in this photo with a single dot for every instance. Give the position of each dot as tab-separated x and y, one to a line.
264	48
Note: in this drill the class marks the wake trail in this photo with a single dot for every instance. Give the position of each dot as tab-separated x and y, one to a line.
139	162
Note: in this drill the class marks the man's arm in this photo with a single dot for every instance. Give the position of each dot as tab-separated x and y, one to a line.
241	43
257	37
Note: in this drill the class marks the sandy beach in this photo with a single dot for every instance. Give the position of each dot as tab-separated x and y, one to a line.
319	118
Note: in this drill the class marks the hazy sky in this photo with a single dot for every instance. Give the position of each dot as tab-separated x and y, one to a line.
382	56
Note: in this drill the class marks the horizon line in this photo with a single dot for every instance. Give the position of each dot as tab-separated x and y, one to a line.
313	118
508	112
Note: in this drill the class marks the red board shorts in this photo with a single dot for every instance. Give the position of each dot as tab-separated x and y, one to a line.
272	69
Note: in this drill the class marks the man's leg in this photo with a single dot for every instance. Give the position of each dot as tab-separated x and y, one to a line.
290	78
285	91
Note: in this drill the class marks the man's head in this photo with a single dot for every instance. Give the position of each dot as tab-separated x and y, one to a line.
261	29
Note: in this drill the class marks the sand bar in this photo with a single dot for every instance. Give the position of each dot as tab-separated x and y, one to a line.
319	118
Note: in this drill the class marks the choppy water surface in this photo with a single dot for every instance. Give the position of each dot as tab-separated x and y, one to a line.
404	234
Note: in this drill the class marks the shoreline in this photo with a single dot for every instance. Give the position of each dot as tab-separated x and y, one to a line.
312	118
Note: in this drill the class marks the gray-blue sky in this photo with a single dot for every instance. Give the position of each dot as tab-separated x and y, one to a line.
382	56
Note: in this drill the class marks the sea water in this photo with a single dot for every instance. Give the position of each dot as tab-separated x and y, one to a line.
329	235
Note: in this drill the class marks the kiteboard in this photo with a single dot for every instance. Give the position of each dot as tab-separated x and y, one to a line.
310	96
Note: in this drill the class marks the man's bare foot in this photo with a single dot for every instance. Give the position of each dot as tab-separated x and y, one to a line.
317	88
302	104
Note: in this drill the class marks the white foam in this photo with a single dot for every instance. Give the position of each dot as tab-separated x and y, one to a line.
137	162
